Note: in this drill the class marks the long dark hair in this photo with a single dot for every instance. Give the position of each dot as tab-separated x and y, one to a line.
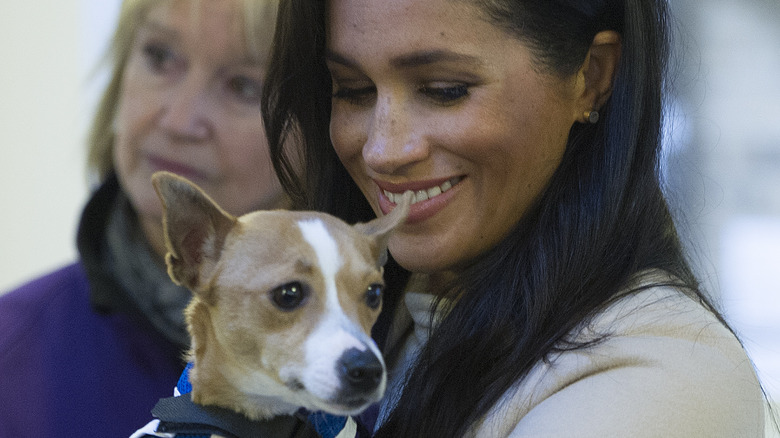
602	220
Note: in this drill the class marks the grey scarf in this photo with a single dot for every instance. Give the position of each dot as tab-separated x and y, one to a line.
143	276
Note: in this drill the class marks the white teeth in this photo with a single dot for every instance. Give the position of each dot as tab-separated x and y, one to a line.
423	195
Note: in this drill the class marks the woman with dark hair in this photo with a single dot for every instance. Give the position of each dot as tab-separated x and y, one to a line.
539	286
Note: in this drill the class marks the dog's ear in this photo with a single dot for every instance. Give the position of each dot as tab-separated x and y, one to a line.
381	227
195	228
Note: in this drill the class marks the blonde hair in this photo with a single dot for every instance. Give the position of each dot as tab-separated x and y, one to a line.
259	21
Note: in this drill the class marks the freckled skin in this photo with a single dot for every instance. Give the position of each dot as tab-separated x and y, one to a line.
504	134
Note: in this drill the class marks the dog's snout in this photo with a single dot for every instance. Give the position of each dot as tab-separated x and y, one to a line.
361	370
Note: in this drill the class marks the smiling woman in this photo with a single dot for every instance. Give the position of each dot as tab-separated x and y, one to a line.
540	287
437	95
88	349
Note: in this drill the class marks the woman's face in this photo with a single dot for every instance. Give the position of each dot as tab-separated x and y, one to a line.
190	104
431	98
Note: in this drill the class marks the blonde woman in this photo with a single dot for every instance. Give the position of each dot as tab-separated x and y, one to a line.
87	350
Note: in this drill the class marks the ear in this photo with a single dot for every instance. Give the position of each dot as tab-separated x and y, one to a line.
597	74
381	227
195	228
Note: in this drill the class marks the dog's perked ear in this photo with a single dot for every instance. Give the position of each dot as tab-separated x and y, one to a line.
194	226
381	227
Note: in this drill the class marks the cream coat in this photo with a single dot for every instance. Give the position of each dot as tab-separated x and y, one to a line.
668	368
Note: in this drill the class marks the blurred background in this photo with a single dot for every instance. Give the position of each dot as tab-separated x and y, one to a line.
722	147
723	163
49	84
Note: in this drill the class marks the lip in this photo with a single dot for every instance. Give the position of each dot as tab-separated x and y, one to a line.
158	163
419	211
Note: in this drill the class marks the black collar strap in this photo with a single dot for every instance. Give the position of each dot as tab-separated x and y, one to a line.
181	416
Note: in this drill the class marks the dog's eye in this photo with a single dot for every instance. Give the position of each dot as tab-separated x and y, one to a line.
288	296
374	295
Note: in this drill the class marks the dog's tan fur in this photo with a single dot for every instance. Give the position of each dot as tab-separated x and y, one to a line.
245	350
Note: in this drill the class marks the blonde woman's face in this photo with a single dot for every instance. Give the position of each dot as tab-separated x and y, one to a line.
190	104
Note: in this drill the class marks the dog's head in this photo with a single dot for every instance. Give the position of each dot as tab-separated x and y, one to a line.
283	303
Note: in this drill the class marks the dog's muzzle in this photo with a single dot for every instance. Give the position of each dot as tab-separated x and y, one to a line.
361	374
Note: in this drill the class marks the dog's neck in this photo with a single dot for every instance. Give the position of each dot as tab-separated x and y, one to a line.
210	384
211	387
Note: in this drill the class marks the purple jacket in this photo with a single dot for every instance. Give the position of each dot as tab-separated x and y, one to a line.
66	370
75	360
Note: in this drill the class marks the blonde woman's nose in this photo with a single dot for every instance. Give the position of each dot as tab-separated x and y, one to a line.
187	110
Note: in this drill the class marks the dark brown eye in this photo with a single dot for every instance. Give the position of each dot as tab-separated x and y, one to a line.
374	296
289	296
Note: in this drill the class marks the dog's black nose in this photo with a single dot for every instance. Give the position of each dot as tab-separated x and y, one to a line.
361	371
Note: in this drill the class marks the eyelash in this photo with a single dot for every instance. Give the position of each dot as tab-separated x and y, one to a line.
446	95
442	95
355	96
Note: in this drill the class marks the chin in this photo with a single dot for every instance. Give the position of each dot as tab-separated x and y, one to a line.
147	206
413	260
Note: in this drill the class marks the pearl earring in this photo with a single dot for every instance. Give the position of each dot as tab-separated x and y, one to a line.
592	117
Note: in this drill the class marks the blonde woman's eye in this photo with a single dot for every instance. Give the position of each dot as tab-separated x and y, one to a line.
245	89
158	57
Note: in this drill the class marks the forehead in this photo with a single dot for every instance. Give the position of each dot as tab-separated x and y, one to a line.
297	241
215	27
205	16
407	25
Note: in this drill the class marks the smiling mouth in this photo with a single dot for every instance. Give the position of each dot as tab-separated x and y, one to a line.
425	194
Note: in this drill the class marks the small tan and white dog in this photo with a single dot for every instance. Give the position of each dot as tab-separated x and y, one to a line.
283	303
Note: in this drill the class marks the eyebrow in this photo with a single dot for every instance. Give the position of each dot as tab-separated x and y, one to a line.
153	26
414	59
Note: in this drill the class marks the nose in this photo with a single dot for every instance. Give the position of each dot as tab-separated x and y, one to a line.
360	371
395	139
186	110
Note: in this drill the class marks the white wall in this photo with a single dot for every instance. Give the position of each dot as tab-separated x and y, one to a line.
47	49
